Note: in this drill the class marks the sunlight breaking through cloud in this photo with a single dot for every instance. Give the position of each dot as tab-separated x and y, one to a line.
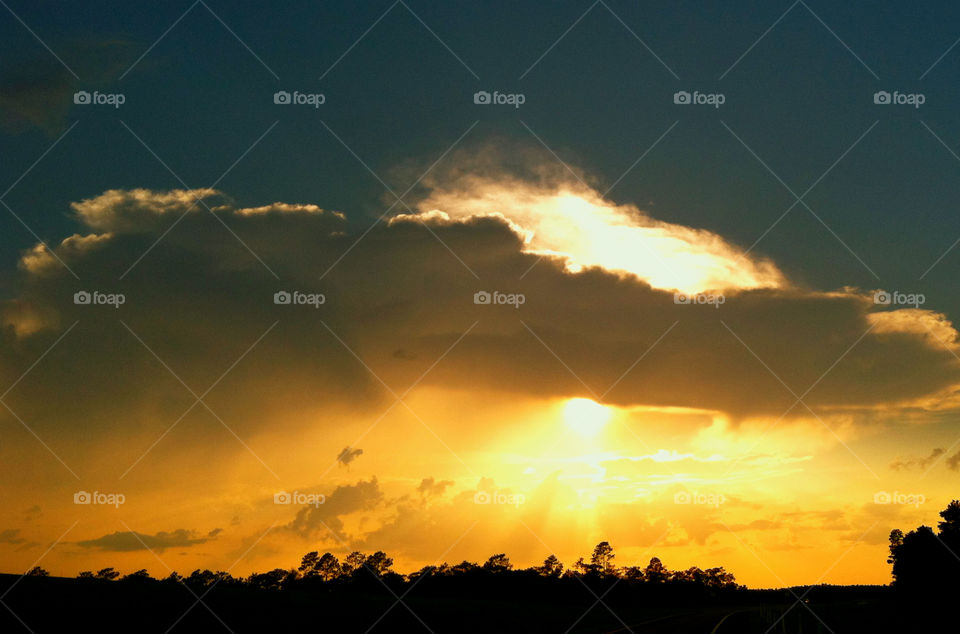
578	224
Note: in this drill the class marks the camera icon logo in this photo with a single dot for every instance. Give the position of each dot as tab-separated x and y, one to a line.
681	97
481	497
281	297
282	498
481	297
681	298
882	497
81	97
81	497
81	298
882	298
682	497
281	97
881	97
482	97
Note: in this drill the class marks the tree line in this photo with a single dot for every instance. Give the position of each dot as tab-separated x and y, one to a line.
328	569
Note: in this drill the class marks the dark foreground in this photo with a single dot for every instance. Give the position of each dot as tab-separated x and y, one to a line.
60	604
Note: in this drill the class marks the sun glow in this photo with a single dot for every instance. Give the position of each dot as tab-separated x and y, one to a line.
585	417
581	226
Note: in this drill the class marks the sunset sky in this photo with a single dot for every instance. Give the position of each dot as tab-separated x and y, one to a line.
693	355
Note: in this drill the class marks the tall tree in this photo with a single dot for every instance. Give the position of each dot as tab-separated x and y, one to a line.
602	558
328	567
308	564
353	562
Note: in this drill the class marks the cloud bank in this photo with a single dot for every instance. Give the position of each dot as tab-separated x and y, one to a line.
399	308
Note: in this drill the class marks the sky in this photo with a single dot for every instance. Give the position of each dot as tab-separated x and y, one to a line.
449	281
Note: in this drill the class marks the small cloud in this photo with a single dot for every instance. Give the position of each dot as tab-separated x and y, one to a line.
11	536
906	464
32	513
214	532
953	462
430	487
348	455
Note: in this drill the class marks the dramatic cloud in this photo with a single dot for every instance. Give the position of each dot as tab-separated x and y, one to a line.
575	223
200	297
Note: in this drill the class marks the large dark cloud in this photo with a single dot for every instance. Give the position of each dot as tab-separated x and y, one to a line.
199	299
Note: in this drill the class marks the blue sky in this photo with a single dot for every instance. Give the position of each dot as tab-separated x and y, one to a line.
799	98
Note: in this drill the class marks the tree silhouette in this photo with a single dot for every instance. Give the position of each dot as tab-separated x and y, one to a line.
633	573
378	563
273	580
37	571
924	560
328	567
139	575
498	563
718	577
551	567
353	562
950	526
602	559
463	567
495	579
308	565
174	577
656	572
581	568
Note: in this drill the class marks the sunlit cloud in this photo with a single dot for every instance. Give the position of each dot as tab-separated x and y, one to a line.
577	224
